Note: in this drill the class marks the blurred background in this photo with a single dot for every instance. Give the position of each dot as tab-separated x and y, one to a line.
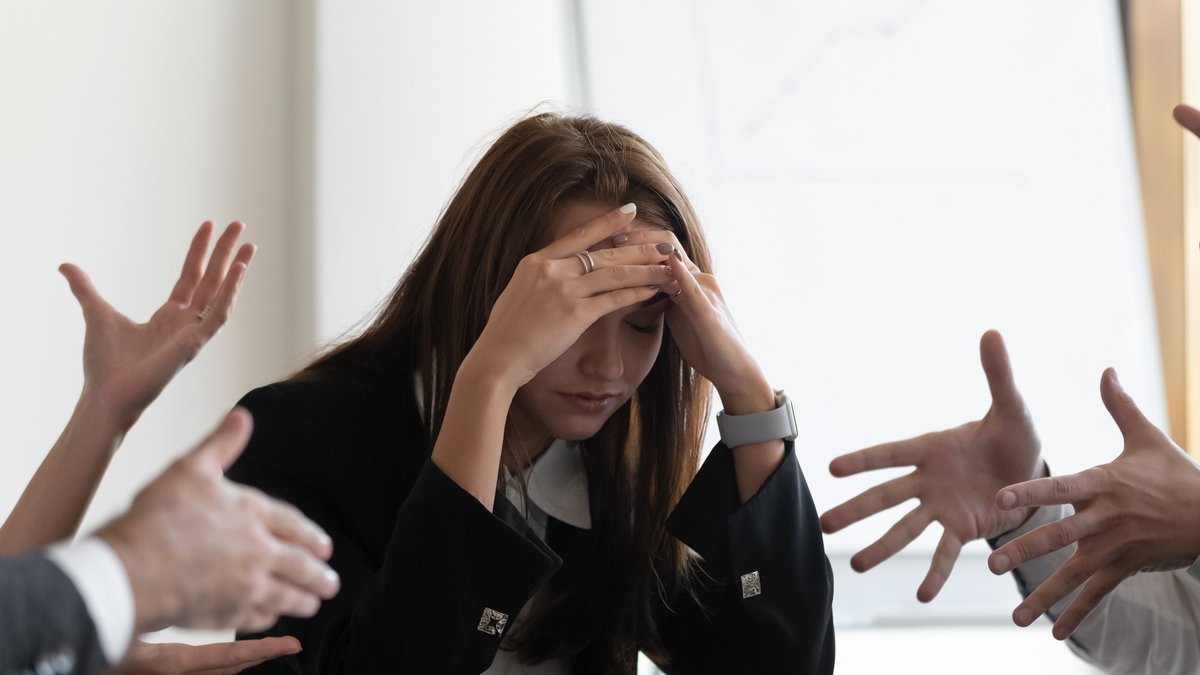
881	181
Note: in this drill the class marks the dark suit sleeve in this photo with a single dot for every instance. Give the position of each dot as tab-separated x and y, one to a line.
763	598
452	579
44	623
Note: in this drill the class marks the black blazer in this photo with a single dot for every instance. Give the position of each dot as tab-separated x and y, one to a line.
429	574
44	623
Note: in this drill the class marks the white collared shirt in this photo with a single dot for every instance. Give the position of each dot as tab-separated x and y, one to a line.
1149	624
103	583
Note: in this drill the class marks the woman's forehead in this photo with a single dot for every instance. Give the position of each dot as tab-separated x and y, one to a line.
571	215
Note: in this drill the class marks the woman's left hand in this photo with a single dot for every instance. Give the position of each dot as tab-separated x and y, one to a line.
703	329
224	658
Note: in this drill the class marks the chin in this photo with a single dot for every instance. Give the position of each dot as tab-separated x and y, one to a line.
571	428
576	432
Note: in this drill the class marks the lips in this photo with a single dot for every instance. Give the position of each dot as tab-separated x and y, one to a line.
590	403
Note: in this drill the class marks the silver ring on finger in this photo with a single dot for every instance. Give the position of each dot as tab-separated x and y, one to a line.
678	292
585	259
203	314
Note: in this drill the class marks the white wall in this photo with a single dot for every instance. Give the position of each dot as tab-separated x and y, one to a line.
124	125
406	96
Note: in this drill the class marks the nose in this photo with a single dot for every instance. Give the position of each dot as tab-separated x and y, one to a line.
601	356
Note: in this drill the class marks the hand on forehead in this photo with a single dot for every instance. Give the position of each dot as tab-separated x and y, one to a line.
571	215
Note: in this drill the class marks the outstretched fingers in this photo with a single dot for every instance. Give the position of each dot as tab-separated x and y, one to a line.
896	538
227	657
882	456
89	299
222	304
193	266
1071	575
218	265
288	524
1124	411
1098	585
879	498
226	442
1045	539
1051	491
944	558
993	355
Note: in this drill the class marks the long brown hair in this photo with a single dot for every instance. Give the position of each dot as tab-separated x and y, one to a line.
603	600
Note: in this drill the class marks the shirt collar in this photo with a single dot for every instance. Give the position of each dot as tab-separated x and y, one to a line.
557	483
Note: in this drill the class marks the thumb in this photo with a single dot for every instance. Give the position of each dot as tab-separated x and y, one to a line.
226	442
1124	411
81	287
1187	117
994	357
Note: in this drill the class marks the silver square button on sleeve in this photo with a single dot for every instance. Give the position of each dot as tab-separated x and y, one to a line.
492	622
751	585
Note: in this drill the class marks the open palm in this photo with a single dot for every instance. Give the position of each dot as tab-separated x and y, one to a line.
224	658
956	476
127	364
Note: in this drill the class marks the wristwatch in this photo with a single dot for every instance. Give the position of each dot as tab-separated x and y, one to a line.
771	425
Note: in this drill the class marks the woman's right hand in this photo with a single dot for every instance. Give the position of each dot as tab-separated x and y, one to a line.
550	300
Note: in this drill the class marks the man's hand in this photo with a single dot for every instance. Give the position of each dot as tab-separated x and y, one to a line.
202	552
957	474
127	364
1136	513
224	658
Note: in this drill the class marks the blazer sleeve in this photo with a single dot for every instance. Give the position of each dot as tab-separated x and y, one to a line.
453	577
762	601
44	623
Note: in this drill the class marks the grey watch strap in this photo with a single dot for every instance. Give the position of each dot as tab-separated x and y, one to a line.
776	424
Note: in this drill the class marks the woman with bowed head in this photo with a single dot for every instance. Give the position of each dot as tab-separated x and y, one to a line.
508	457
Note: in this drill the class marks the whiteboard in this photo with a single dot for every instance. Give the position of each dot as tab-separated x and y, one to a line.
881	182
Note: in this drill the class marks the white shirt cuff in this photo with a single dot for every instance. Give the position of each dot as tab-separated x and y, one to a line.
101	579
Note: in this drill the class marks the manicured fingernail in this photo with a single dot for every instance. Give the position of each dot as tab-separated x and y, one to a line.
664	248
668	270
678	255
619	239
999	563
1008	499
629	208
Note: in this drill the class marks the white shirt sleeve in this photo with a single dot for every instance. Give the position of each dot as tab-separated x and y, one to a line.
101	579
1148	624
